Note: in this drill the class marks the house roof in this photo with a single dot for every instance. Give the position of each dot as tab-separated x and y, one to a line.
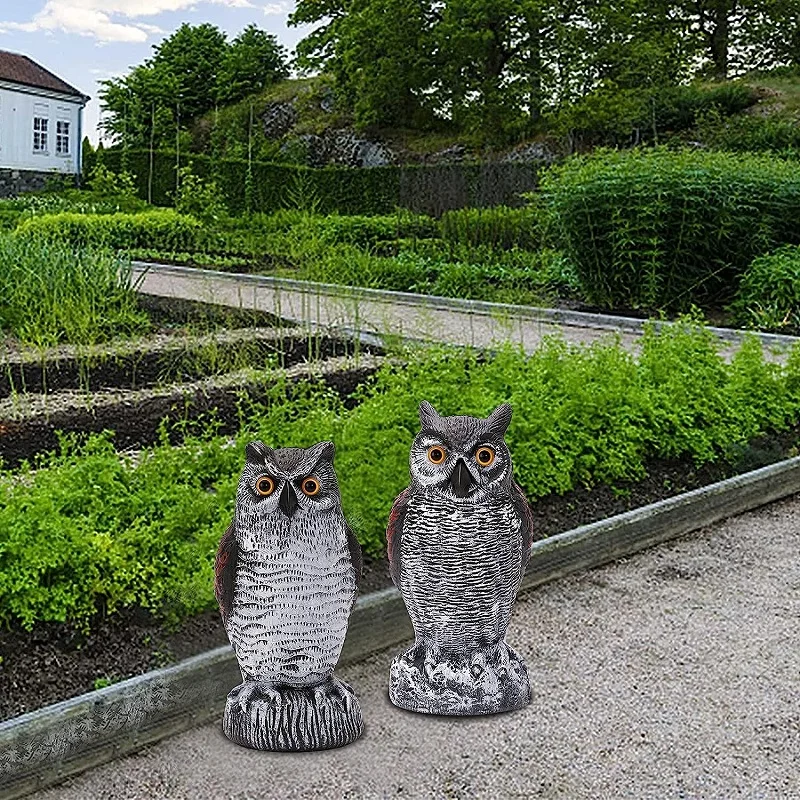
17	68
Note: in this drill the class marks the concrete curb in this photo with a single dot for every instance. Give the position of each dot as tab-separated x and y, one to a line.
553	316
43	747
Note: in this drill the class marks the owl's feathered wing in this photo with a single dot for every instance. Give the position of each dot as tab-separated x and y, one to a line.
394	534
225	572
526	530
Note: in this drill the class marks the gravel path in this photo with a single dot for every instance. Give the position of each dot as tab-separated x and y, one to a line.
671	674
420	317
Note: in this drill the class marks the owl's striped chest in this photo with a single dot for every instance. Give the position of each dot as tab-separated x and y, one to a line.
292	599
460	568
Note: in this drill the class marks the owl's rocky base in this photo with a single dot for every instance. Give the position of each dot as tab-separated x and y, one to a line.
488	681
283	718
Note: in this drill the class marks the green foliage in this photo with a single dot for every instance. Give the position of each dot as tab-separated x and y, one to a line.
499	227
189	72
51	292
660	229
94	530
105	183
164	229
366	231
769	294
252	61
198	197
749	133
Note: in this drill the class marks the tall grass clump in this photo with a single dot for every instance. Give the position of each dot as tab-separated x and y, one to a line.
51	293
664	229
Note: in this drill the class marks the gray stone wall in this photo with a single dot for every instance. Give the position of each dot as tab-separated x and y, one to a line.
19	181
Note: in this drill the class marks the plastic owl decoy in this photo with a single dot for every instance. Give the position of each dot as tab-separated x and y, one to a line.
286	575
459	539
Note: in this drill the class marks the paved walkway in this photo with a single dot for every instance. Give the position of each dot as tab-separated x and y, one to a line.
674	673
449	320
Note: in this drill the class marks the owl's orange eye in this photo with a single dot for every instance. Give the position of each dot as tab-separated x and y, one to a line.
265	486
485	456
310	486
436	454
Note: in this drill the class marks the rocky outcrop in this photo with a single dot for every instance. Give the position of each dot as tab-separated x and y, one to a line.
342	147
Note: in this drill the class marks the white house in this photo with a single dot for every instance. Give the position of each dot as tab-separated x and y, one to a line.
40	122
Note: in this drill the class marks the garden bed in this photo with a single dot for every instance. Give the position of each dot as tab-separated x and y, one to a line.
55	661
165	357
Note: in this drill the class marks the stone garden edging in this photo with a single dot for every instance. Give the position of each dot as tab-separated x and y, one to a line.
43	747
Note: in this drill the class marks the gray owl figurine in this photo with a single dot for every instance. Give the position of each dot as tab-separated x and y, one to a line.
286	573
459	539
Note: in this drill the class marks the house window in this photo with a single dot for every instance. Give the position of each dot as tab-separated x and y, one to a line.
62	137
40	134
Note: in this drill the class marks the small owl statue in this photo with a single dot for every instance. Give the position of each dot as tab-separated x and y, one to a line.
286	573
459	538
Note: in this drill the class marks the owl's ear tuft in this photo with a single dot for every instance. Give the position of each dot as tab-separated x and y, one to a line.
498	421
258	453
325	451
428	416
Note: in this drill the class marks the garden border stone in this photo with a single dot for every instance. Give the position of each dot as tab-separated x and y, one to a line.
44	747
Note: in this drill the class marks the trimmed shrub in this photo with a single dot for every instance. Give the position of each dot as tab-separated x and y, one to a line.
162	229
769	294
663	229
499	227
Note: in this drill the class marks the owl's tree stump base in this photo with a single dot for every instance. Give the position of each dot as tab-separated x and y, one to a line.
488	681
285	718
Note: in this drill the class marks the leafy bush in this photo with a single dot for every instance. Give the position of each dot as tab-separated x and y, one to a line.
199	197
51	292
92	530
677	108
769	294
662	229
753	134
499	227
163	229
105	183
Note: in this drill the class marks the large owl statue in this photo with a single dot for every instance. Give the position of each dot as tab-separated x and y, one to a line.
459	538
286	573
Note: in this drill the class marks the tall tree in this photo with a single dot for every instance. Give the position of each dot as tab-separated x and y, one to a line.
252	61
192	57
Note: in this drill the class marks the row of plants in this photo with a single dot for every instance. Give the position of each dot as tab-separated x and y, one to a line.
89	530
651	229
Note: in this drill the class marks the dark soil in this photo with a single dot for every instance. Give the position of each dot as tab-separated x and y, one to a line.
136	422
184	359
54	661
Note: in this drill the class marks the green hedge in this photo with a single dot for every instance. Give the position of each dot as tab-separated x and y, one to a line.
374	190
664	229
91	530
162	229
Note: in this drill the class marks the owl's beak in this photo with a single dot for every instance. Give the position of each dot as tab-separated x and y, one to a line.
288	500
461	481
